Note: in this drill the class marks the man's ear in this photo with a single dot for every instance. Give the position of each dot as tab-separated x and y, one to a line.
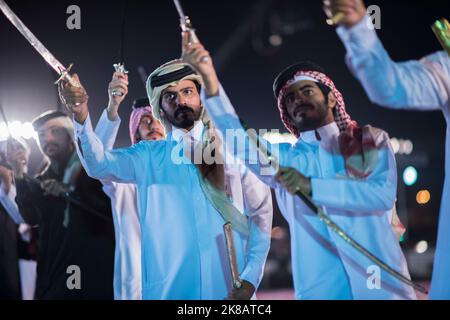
332	101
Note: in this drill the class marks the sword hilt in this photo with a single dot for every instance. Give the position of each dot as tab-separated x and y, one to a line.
186	26
336	19
441	29
64	74
231	254
119	67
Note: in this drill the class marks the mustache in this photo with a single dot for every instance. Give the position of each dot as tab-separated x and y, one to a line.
51	144
155	132
183	108
302	107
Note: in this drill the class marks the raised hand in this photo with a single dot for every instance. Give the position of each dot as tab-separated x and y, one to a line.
200	60
351	11
245	292
74	98
118	84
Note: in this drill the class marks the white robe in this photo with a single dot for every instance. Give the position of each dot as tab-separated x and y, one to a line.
183	248
412	85
324	266
127	254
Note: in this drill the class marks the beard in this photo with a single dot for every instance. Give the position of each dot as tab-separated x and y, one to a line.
309	116
184	117
52	149
58	151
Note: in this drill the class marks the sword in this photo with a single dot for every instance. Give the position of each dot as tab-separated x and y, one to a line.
231	255
120	67
441	29
186	26
2	112
38	46
273	162
185	23
335	19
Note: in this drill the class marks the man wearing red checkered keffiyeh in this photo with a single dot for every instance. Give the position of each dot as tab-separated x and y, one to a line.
341	117
299	113
297	89
143	125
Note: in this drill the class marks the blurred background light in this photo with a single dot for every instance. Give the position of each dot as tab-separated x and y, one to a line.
18	130
410	176
423	197
421	247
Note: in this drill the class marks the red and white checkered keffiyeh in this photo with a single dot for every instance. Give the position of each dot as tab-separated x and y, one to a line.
357	145
342	119
135	119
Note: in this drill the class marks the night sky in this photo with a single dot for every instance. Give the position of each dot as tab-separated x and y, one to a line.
236	33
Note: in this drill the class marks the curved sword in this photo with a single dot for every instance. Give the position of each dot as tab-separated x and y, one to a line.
186	26
38	46
120	66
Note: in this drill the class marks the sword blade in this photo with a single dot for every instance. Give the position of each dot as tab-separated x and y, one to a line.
31	38
2	111
179	9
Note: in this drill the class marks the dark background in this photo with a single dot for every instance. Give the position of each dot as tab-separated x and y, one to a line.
236	33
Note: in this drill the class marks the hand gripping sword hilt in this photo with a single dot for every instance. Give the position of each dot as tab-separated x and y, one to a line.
186	26
441	29
64	74
119	67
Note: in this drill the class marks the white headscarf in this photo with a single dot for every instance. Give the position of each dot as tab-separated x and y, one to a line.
167	75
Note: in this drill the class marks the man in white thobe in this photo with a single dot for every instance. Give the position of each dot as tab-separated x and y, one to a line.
413	85
143	126
183	247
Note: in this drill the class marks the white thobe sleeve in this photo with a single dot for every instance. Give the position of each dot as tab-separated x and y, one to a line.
375	193
107	130
387	83
119	165
237	141
259	209
8	202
